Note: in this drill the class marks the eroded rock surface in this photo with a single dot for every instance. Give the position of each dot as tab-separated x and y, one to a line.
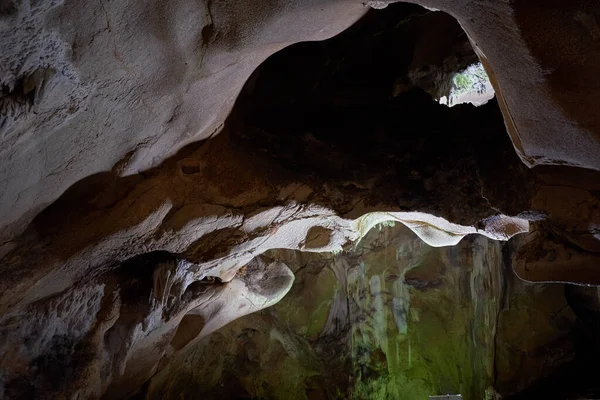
392	318
150	239
86	88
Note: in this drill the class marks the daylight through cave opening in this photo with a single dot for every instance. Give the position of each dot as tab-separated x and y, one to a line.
357	119
245	265
360	114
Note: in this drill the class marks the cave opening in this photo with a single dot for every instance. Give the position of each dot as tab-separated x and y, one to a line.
365	115
245	265
361	113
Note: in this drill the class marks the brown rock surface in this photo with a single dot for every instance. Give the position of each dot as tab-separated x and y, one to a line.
392	317
134	216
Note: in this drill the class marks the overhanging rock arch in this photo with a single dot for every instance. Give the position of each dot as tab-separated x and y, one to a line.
212	219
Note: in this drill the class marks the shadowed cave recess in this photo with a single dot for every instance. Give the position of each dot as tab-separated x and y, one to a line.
343	235
390	317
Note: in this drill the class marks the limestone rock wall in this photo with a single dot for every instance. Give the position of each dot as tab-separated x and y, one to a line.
125	238
392	318
121	86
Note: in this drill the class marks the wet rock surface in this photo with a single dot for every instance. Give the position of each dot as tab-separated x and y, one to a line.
355	325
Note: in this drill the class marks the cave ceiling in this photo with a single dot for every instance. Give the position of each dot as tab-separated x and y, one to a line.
153	156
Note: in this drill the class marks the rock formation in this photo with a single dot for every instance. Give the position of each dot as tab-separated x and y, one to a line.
392	317
138	202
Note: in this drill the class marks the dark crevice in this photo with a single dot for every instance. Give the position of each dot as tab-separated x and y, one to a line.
189	328
358	112
577	379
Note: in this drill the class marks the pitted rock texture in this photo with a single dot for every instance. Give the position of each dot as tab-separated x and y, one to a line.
135	216
121	85
108	335
133	84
